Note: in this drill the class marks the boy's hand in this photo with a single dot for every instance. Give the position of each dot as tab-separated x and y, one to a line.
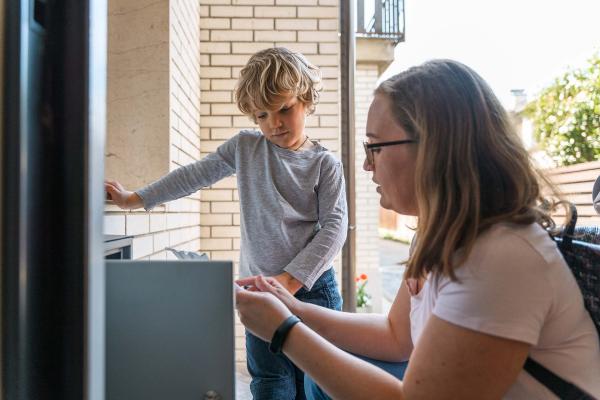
289	282
121	197
273	286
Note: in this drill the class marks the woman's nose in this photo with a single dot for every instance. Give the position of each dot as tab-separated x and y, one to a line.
367	166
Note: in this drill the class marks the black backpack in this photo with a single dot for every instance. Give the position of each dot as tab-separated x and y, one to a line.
580	247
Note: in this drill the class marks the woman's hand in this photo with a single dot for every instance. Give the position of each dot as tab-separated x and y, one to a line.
273	286
125	199
260	312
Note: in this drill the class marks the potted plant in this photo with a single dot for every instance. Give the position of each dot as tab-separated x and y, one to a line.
363	299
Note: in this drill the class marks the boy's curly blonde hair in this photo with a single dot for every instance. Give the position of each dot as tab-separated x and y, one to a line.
273	73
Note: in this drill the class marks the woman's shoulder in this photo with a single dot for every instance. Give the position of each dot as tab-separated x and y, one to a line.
515	248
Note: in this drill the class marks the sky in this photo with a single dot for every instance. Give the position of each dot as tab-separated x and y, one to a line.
512	44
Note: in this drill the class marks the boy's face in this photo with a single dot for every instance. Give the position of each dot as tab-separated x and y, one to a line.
283	125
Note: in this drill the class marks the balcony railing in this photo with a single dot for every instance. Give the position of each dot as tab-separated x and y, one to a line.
380	19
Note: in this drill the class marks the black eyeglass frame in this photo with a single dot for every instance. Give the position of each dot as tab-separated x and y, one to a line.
369	147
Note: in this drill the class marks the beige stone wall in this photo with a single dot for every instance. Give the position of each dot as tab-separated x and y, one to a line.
231	30
153	116
367	199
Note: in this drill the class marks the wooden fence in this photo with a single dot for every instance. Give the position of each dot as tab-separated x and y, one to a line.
574	182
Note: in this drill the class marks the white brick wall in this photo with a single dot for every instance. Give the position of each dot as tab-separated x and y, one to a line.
232	30
175	110
367	199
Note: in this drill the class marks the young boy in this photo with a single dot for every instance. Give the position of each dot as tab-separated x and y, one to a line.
292	199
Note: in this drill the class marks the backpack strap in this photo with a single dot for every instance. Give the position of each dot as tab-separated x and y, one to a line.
563	389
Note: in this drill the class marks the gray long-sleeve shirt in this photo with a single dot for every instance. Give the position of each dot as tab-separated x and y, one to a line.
292	203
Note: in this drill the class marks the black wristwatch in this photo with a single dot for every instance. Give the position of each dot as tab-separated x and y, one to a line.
281	334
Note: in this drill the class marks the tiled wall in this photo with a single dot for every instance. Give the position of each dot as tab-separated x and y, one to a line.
231	30
367	199
153	116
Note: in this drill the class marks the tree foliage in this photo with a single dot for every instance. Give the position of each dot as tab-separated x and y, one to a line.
566	116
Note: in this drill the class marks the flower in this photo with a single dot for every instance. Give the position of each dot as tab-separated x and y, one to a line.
362	297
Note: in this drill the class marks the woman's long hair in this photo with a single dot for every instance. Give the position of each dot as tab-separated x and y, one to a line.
471	171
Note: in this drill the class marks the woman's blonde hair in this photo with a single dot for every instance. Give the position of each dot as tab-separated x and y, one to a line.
471	170
276	72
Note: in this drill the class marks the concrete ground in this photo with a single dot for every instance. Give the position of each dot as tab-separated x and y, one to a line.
391	255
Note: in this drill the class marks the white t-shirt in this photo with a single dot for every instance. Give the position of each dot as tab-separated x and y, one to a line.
516	285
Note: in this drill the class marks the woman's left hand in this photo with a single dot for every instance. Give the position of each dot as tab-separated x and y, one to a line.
260	312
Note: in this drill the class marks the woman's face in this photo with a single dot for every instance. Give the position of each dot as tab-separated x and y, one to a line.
393	166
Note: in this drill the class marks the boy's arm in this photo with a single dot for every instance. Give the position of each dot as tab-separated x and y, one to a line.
318	255
289	282
188	179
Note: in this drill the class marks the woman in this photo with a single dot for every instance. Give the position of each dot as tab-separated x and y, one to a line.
485	286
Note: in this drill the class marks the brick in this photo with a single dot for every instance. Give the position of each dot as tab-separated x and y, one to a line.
215	47
114	224
137	224
225	231
142	246
204	83
205	230
328	24
329	48
250	48
254	2
304	48
216	219
216	72
226	255
272	36
216	244
230	11
323	133
274	12
296	2
218	122
318	36
222	84
243	122
330	121
318	12
236	219
229	60
216	96
253	23
215	23
231	36
211	2
295	24
221	133
325	60
204	35
224	207
160	241
224	109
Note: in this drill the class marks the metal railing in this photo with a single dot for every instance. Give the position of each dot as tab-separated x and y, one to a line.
380	19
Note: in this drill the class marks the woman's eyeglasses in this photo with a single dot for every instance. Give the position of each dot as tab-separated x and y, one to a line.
370	148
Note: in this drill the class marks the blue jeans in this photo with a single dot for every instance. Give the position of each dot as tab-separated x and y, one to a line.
314	392
274	376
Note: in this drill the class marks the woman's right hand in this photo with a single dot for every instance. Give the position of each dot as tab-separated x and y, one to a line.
272	285
125	199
